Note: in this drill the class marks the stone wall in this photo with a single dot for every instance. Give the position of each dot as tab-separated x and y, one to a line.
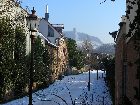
59	62
62	57
132	81
118	71
126	82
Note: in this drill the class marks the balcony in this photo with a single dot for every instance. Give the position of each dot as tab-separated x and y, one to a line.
58	25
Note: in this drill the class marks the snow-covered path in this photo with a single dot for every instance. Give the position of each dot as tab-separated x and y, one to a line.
71	90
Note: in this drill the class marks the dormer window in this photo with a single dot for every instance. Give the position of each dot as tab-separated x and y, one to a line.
50	32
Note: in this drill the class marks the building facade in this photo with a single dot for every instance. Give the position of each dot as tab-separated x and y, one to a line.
127	81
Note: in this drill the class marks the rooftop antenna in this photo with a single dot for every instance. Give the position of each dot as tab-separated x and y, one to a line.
18	2
27	9
105	1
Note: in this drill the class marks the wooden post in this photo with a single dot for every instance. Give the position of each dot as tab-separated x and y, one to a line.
97	74
103	100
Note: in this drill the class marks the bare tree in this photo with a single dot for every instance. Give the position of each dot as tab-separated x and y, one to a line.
87	49
87	46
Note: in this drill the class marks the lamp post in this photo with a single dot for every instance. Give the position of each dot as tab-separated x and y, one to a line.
32	22
97	69
88	72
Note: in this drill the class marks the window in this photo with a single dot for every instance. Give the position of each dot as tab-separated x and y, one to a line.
136	93
64	51
50	32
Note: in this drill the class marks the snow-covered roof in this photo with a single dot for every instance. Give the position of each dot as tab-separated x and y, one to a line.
46	39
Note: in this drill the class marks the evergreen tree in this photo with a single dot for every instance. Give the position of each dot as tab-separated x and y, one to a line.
71	45
80	59
39	66
19	72
76	57
6	55
47	62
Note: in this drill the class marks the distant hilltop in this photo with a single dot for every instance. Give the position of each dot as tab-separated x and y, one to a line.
106	48
80	37
98	45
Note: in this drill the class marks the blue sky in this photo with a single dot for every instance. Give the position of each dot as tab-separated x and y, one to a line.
87	16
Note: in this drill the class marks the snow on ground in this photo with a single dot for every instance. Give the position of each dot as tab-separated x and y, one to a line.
71	90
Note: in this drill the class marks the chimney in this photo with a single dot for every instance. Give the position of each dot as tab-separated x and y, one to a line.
47	13
123	18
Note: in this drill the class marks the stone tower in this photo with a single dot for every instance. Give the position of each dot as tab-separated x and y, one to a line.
75	33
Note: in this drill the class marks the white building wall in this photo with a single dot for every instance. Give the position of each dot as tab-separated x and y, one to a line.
43	29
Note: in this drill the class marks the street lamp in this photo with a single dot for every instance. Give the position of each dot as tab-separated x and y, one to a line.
89	72
98	68
32	22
